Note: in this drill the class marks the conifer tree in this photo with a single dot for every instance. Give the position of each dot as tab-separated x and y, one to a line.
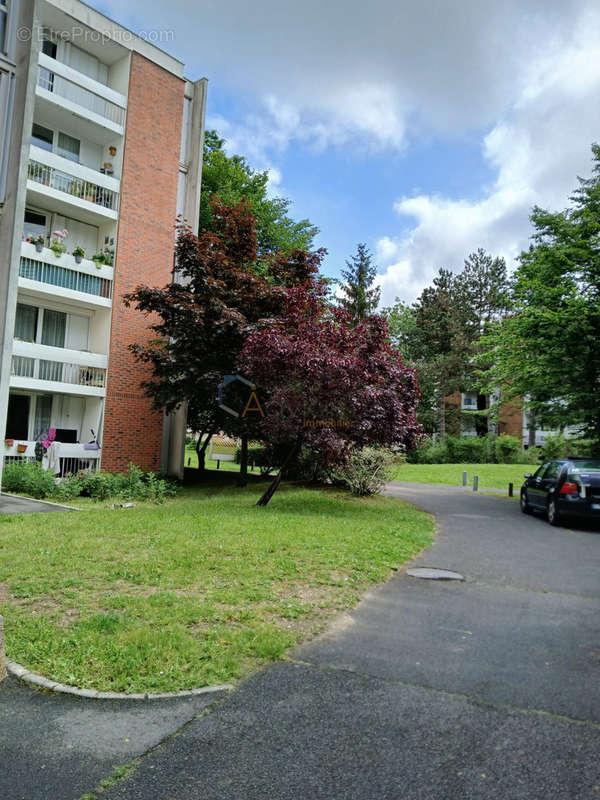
360	296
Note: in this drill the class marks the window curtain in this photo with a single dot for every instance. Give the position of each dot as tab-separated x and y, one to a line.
25	322
53	328
43	411
68	147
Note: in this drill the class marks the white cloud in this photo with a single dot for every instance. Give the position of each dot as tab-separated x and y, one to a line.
328	72
537	149
350	74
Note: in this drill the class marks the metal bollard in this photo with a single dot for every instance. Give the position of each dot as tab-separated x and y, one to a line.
2	656
475	482
510	489
465	478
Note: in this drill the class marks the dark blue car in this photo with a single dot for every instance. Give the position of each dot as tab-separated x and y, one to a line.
562	488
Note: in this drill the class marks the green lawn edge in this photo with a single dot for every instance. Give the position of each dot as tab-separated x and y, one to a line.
203	589
491	476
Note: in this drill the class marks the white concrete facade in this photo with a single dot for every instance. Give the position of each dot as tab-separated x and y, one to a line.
57	274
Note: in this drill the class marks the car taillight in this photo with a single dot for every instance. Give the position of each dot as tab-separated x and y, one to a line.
569	488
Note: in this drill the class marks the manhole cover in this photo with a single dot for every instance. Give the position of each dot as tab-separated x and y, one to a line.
434	574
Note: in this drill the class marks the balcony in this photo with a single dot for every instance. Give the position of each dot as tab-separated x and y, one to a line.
97	105
43	274
72	457
71	189
56	369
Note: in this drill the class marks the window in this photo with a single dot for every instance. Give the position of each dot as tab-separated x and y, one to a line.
54	327
17	418
42	137
68	147
35	224
7	93
51	328
49	48
43	411
553	469
3	26
26	322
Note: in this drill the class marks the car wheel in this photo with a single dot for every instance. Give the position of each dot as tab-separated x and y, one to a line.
553	515
525	507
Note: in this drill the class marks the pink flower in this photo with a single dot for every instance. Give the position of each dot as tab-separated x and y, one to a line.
51	437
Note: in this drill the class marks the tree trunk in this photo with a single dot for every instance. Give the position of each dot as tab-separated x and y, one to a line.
243	479
531	429
202	446
442	415
273	486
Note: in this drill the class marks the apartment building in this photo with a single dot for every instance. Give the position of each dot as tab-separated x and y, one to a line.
513	419
101	142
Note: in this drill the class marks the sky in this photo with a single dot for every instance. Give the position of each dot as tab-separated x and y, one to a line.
426	130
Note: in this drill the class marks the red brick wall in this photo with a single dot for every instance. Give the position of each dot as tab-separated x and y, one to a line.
132	429
511	418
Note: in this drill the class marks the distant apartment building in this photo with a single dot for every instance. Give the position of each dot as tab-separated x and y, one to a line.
101	144
513	419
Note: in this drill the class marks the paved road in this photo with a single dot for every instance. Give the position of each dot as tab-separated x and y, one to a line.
13	504
489	688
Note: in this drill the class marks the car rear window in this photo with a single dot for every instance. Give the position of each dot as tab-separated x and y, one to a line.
590	466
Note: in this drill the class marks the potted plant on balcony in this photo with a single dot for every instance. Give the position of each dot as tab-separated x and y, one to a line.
99	259
21	448
78	254
9	442
38	241
58	245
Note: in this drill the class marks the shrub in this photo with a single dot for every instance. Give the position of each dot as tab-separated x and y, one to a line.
366	470
67	488
28	478
466	449
533	455
434	454
100	485
581	447
135	484
555	446
507	449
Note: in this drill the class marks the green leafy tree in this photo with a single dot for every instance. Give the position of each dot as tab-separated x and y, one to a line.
547	350
439	335
199	326
483	293
361	297
231	178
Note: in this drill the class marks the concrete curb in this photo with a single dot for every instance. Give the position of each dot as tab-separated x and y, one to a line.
2	656
45	683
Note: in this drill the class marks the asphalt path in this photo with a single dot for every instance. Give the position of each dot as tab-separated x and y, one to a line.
482	688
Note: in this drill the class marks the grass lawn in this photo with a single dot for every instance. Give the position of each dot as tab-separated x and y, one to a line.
191	460
201	590
491	476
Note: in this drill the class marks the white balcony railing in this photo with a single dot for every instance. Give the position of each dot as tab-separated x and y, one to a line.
58	81
58	372
73	458
37	362
73	180
84	277
71	185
